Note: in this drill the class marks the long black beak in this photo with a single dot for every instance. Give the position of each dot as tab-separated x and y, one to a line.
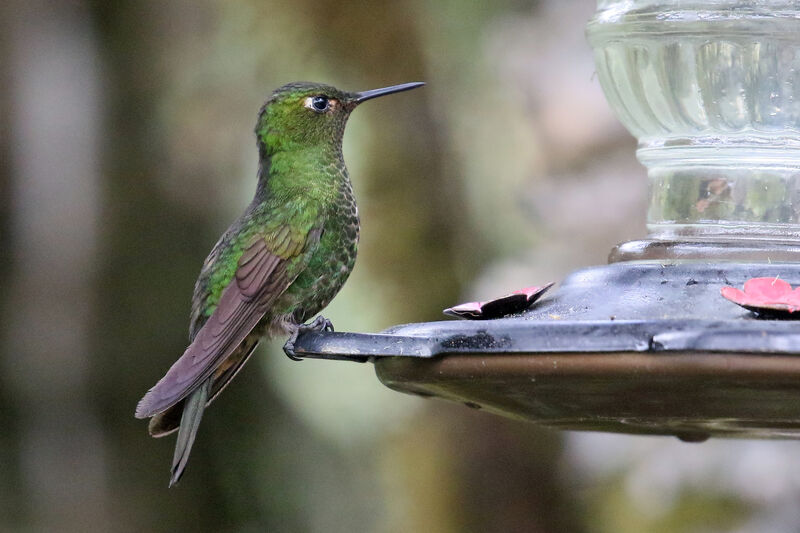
374	93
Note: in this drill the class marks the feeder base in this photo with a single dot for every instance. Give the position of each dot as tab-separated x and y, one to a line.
638	347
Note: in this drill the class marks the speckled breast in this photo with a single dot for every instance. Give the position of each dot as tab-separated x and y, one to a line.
331	264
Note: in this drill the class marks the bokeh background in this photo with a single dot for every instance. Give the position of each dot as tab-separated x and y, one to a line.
126	148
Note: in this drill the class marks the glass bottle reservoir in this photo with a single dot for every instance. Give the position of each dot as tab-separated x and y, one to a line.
711	90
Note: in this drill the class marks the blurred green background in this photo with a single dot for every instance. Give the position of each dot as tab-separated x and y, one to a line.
126	148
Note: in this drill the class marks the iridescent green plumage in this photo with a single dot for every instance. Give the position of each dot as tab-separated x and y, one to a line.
278	264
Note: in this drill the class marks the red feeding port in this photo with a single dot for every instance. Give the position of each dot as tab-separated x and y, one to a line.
765	295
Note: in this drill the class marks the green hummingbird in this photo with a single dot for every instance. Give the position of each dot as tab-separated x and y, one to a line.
279	264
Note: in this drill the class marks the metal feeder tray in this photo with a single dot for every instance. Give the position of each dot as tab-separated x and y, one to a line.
641	348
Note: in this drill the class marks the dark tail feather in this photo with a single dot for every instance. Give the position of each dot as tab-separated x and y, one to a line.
190	421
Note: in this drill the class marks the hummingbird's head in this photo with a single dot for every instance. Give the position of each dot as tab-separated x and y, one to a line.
303	114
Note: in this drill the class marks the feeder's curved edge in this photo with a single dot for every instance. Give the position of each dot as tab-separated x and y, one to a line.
509	336
359	347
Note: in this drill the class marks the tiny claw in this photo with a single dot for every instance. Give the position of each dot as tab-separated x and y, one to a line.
288	349
319	324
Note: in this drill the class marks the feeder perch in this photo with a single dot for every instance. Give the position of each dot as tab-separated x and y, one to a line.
648	344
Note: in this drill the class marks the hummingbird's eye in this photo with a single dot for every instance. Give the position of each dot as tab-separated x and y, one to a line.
320	104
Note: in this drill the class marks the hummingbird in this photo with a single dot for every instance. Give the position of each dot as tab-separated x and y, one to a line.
279	264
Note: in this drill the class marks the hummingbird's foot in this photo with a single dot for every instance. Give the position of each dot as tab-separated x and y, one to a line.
319	324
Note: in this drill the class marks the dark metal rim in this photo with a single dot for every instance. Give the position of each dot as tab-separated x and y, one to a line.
531	337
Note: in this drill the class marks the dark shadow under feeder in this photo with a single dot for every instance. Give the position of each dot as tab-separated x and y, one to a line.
646	344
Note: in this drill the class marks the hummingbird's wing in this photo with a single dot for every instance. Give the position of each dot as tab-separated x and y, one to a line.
263	273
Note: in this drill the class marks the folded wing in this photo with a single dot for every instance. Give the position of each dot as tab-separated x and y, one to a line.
260	278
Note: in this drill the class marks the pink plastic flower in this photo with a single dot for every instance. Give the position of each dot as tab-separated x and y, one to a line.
498	307
765	295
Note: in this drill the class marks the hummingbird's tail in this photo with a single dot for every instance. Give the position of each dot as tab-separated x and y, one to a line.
193	409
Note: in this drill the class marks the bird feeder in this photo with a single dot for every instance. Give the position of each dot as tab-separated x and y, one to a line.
647	344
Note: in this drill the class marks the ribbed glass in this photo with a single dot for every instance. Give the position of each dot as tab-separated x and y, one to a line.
711	89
